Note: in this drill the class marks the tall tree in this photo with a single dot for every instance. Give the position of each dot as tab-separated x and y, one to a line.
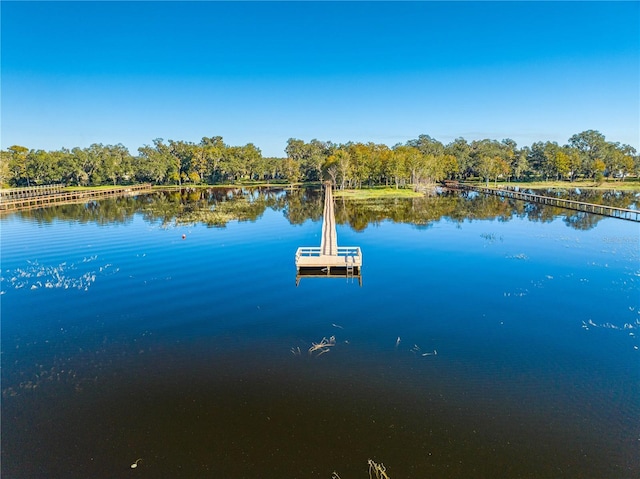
155	163
461	149
5	172
40	167
18	165
427	145
291	170
592	146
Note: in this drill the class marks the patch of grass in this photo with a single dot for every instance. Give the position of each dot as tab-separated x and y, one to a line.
377	192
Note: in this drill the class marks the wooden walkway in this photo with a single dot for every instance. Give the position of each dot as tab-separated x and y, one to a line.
329	244
612	211
329	259
24	201
29	191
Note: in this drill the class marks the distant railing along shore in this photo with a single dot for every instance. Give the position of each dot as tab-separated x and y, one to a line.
44	196
30	191
603	210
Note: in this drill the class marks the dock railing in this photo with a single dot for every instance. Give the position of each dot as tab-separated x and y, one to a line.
316	251
75	196
30	191
603	210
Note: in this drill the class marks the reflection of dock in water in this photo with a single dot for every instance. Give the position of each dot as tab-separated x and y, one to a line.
329	260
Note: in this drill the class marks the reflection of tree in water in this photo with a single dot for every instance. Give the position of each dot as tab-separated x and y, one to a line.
618	199
103	212
218	206
300	205
422	211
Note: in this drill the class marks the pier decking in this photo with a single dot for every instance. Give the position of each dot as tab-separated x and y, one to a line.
603	210
41	197
329	259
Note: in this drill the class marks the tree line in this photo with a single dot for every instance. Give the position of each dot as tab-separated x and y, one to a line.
421	161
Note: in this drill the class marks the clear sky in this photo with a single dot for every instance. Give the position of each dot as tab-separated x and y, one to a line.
78	73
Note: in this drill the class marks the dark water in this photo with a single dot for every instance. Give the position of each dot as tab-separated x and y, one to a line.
517	353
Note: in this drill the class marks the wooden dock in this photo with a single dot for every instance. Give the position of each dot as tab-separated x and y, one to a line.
603	210
29	192
42	197
329	259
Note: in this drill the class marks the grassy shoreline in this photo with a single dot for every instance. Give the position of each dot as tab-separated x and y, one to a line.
377	192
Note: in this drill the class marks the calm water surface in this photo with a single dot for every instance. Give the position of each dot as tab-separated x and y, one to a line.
488	340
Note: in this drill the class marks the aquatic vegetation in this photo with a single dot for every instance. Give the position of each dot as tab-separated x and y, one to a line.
625	327
66	276
377	471
517	294
323	346
317	349
491	237
520	256
417	351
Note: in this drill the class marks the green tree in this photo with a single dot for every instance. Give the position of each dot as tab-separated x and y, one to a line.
619	160
71	171
592	146
251	156
291	170
40	167
449	165
311	156
492	167
154	163
343	163
480	150
330	170
461	150
18	165
427	145
398	166
210	155
520	165
575	162
598	169
5	172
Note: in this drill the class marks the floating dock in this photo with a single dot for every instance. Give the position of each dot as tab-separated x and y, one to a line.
329	259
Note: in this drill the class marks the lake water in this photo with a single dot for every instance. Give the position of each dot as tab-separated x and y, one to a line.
489	339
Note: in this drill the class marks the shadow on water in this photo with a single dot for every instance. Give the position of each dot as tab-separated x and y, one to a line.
250	413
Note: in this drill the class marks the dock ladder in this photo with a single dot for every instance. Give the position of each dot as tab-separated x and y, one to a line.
350	266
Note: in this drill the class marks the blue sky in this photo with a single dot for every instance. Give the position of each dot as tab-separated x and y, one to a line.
78	73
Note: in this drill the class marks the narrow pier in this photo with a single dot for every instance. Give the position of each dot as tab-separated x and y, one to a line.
329	259
603	210
42	197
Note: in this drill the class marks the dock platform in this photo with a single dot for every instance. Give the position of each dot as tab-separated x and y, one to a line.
329	259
